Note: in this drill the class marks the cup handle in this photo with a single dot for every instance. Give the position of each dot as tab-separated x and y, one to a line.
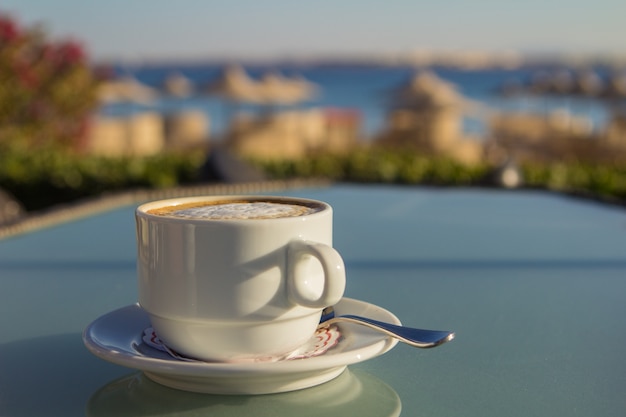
300	288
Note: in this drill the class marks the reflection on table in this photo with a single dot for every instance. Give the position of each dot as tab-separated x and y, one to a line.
354	392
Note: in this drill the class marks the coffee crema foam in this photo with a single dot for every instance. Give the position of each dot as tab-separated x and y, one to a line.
236	210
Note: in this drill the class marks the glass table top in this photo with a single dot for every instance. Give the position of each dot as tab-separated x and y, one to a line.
533	283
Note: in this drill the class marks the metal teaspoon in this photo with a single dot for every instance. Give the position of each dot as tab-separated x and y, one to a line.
415	337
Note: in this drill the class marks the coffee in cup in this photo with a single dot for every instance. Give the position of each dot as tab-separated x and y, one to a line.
236	278
245	209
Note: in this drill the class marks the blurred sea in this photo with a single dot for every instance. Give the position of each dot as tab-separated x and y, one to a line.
363	88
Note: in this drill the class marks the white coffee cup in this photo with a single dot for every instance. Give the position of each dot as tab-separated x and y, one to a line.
236	289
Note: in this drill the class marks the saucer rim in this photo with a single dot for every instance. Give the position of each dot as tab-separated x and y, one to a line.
124	356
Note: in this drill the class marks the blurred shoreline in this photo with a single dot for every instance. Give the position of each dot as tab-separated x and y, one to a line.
363	85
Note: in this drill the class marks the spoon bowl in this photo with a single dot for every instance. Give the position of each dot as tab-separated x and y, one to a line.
420	338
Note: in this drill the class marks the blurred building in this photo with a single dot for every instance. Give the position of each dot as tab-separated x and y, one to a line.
556	136
615	135
147	133
294	134
427	114
186	130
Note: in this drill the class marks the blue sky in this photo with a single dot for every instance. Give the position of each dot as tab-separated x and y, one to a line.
142	29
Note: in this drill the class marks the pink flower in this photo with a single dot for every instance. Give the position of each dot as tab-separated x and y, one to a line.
26	75
70	53
8	29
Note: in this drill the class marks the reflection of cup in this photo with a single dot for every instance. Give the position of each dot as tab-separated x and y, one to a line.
229	278
353	393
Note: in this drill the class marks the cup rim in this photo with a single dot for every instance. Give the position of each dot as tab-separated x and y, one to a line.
142	210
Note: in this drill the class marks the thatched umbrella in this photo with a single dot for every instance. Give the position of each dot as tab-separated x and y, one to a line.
616	86
588	83
614	95
539	83
177	85
235	85
273	88
277	89
562	82
427	91
126	89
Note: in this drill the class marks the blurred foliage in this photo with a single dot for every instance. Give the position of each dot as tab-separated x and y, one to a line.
379	165
55	175
408	167
606	180
47	89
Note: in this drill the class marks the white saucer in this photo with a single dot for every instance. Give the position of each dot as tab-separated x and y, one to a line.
117	337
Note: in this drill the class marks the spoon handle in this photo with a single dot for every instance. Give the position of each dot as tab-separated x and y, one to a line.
415	337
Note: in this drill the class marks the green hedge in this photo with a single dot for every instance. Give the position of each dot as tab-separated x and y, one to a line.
607	180
379	165
407	167
44	178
